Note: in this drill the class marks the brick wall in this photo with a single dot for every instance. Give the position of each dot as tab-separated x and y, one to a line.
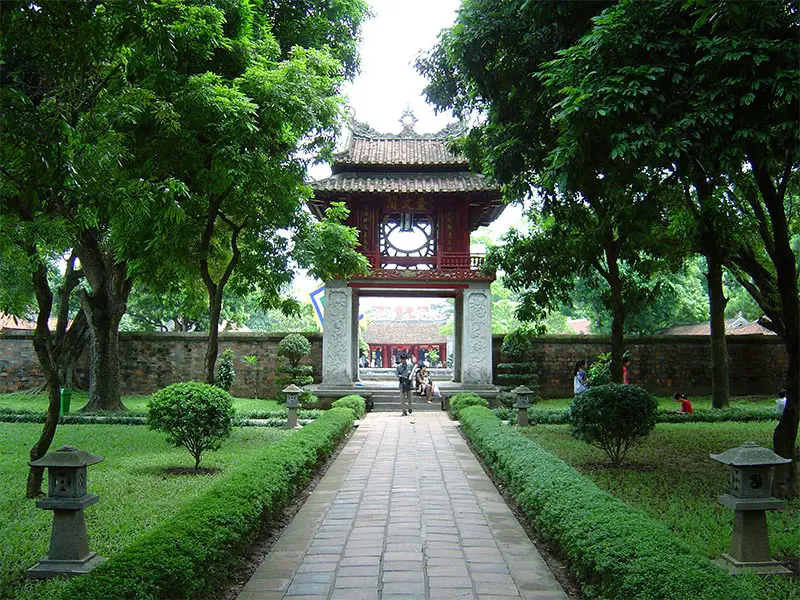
150	361
662	364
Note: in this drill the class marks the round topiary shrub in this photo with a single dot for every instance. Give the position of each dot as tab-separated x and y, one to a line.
613	417
293	348
196	416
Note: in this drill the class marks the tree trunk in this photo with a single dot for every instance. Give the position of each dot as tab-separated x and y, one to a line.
212	350
104	307
720	390
784	438
72	347
43	344
617	313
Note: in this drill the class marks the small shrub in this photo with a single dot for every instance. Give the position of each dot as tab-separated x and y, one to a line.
599	372
196	416
463	399
517	344
354	402
225	372
613	417
293	348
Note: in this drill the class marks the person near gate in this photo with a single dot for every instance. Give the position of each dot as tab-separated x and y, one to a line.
403	371
424	384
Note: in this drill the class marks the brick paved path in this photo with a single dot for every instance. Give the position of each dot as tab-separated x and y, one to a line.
404	513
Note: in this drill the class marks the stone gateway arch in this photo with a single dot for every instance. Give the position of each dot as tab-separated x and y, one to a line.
414	204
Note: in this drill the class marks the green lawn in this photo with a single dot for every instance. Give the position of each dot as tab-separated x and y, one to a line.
38	402
671	477
135	491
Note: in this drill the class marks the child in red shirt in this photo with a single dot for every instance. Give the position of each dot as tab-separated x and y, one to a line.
686	406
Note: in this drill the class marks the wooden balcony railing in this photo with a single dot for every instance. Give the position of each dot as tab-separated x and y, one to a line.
443	260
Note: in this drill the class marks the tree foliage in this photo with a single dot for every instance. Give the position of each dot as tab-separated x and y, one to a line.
687	110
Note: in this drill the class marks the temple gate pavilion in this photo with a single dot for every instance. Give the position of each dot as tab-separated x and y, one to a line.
414	204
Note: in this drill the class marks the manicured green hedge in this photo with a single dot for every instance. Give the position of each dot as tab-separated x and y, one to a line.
541	416
190	553
616	551
354	402
462	400
266	418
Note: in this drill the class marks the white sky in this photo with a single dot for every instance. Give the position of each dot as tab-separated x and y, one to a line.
388	82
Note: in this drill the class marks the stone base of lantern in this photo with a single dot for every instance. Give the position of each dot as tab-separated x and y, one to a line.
737	567
47	568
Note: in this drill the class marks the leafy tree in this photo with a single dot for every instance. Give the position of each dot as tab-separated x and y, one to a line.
275	320
706	93
595	220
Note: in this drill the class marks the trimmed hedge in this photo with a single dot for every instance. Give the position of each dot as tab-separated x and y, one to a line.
542	416
461	400
190	553
354	402
616	551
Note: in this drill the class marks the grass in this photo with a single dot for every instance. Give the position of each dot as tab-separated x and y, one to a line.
135	403
135	491
672	478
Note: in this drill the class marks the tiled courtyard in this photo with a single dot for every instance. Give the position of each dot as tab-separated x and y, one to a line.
404	512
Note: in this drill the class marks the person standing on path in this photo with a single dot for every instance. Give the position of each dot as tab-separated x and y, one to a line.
403	370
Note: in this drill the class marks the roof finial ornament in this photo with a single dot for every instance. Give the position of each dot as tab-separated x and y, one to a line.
408	120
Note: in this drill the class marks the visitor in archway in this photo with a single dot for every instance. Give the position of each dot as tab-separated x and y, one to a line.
580	382
362	360
403	370
424	384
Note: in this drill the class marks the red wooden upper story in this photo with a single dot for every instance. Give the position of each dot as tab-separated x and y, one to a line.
413	202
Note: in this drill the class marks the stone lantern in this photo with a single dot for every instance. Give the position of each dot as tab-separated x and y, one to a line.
523	403
67	497
292	403
750	496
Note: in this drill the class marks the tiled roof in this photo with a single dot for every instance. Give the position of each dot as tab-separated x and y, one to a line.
732	327
398	151
404	183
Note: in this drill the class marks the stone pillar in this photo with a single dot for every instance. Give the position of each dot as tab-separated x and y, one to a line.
354	348
458	323
337	337
476	336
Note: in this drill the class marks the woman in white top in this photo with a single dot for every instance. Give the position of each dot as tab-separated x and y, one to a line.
581	382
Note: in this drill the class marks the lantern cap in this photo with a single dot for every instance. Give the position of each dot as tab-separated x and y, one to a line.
292	389
522	390
67	456
750	454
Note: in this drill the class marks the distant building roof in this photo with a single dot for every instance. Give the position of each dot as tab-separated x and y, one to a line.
579	326
737	326
404	332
